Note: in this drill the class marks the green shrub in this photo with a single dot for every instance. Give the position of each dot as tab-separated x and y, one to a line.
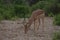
39	5
57	19
50	14
14	18
1	17
21	11
6	13
56	36
13	12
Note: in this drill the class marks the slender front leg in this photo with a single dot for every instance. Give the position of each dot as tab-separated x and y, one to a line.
26	29
34	25
39	23
42	24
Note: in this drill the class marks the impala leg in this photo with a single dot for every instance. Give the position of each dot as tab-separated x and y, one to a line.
34	25
25	29
42	24
39	23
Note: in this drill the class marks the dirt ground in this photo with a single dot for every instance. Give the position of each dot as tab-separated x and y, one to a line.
14	30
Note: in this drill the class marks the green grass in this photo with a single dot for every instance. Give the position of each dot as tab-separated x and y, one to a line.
57	20
56	36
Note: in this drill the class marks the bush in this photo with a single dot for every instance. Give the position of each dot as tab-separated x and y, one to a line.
13	12
56	36
22	11
6	13
1	17
57	19
39	5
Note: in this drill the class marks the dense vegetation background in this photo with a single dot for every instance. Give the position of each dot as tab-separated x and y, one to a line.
10	9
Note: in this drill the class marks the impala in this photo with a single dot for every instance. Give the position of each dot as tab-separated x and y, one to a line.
36	15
